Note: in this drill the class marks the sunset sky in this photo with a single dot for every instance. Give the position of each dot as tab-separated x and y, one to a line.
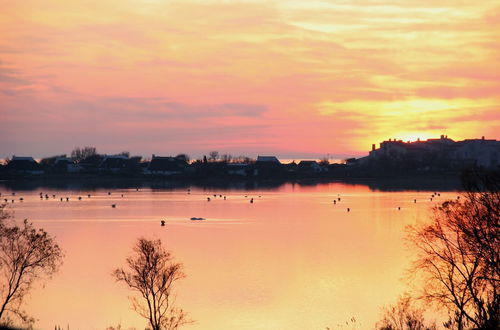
297	79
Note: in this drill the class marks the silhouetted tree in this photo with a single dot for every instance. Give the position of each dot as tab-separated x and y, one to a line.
242	160
213	155
79	154
27	254
226	158
325	161
152	273
404	316
249	160
459	254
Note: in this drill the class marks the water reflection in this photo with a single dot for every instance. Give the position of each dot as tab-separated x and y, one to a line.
291	260
95	183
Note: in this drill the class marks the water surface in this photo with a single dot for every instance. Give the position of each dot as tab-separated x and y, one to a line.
291	260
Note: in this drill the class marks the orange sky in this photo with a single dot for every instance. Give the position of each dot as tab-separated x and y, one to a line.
291	78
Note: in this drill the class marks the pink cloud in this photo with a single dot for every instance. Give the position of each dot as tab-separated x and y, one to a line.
247	75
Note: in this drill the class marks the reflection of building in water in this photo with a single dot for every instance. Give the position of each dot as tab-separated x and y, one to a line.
473	152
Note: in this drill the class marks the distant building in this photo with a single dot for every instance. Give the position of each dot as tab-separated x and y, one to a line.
351	161
445	151
65	164
268	166
113	163
240	169
24	165
166	165
481	152
267	159
311	166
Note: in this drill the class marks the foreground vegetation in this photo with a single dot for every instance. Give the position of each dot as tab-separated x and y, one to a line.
457	265
27	255
151	273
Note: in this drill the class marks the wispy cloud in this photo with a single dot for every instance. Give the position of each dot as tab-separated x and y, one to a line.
292	75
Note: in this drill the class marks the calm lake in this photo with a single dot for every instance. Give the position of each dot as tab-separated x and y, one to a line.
292	259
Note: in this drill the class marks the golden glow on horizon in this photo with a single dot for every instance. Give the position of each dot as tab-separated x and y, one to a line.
299	77
414	136
405	107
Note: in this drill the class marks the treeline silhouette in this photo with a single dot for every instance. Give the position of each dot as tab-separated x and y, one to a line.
87	162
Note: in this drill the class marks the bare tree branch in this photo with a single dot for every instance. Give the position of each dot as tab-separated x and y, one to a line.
459	253
27	254
152	273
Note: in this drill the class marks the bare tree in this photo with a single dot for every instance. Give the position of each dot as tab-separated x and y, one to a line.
78	154
214	155
404	315
152	273
226	158
27	254
459	252
325	161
